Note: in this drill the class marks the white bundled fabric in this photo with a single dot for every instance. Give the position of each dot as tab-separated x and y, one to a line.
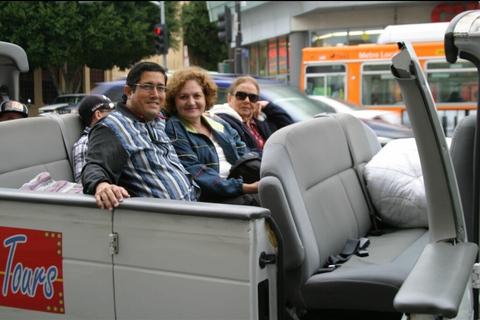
394	180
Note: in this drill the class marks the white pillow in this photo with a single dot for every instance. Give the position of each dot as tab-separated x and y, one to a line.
394	180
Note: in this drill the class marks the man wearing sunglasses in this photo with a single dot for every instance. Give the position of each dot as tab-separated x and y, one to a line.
254	120
91	109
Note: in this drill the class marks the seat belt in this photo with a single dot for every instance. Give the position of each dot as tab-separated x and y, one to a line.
373	214
353	246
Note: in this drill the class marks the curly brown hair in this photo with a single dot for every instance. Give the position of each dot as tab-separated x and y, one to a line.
177	81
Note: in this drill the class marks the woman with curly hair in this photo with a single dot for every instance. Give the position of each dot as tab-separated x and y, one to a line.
206	146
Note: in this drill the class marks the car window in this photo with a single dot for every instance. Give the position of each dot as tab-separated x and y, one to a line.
78	99
222	93
298	105
68	99
61	99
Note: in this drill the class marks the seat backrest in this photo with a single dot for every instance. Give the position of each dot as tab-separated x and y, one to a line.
462	153
33	145
312	189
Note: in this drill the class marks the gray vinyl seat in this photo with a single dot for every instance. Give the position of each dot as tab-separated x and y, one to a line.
311	187
462	153
21	162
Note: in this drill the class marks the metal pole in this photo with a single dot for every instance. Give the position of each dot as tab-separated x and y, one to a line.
238	41
162	20
161	6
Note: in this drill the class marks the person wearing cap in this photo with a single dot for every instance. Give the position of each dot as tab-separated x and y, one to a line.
129	154
91	109
11	110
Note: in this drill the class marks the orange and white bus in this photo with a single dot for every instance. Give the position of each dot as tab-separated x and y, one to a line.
361	74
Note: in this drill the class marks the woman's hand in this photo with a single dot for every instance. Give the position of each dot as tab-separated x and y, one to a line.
250	187
258	108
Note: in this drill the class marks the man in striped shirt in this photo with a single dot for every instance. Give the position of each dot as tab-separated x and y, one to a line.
129	153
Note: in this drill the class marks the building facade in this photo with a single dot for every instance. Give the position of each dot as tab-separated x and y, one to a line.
274	33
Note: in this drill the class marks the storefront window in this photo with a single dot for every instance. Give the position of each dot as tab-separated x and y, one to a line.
282	56
254	59
272	58
262	62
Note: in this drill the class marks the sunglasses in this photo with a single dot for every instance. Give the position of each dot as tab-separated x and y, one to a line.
242	95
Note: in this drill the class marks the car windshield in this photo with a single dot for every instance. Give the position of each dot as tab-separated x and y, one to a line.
298	105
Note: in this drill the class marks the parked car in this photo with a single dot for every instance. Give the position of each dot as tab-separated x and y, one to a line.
60	103
300	107
297	104
111	89
343	106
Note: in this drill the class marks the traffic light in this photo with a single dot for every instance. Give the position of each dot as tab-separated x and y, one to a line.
161	38
225	25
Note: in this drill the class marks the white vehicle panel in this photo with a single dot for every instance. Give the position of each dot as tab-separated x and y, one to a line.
80	237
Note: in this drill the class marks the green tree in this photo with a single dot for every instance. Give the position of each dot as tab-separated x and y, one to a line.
200	35
99	34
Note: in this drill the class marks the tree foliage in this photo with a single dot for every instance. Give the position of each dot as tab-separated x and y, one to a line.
200	35
99	34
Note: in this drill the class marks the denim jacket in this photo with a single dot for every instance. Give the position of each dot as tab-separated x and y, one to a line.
198	155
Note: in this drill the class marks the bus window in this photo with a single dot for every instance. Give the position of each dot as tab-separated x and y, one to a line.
451	83
378	85
326	80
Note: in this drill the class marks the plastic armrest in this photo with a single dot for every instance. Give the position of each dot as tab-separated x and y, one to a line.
437	283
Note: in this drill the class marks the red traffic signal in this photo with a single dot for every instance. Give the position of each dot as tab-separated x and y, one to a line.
161	39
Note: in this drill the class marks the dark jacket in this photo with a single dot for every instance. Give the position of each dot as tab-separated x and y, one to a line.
275	119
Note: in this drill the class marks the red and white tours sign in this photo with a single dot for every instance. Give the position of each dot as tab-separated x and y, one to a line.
31	273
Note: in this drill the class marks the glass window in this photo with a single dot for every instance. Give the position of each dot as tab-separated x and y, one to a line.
290	99
222	93
448	83
254	59
282	56
326	80
452	83
344	37
272	58
379	86
262	62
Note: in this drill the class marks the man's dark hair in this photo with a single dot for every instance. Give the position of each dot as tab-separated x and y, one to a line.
138	69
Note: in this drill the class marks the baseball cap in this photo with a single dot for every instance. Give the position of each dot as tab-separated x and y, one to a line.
92	103
14	106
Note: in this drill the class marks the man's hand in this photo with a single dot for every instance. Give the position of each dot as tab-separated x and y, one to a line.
109	195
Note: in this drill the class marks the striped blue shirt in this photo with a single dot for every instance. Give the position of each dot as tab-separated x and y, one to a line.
127	151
